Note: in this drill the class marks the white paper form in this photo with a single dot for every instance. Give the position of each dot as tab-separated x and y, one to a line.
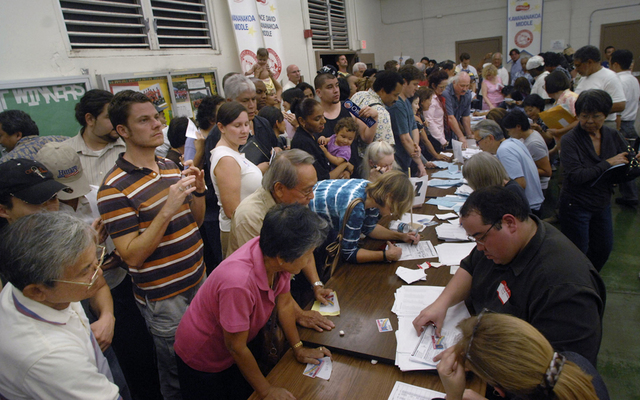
404	391
453	232
453	253
410	275
424	249
431	345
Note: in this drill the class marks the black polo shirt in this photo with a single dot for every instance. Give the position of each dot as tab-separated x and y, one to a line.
550	284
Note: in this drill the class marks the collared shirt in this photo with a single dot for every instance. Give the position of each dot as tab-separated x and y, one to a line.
47	353
372	99
235	298
458	107
29	146
516	70
631	89
129	200
550	284
96	163
248	218
518	163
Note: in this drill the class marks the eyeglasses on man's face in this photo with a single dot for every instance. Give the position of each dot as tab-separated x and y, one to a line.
100	253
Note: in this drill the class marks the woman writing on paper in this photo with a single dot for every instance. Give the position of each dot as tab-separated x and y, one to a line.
392	193
212	353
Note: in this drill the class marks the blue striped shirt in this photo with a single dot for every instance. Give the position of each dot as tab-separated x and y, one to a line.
330	201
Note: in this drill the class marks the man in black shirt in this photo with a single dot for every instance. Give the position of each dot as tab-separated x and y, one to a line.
524	267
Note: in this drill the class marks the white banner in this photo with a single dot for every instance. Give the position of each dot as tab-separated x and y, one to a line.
270	23
246	26
256	24
524	25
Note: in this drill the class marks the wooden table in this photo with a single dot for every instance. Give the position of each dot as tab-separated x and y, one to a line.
352	378
366	293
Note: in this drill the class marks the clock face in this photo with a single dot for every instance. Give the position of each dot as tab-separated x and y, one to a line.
524	38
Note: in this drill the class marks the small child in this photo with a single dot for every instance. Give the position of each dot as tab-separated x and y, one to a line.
337	148
261	69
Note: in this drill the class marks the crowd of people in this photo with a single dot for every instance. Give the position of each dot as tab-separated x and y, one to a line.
141	263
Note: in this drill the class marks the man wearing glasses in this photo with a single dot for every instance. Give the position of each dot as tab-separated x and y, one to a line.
524	267
290	179
47	348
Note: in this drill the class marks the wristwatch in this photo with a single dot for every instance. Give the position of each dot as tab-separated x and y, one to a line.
318	283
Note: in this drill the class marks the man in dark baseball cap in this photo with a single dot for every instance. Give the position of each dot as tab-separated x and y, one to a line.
27	186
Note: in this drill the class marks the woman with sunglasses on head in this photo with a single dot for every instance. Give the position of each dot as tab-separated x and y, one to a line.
518	361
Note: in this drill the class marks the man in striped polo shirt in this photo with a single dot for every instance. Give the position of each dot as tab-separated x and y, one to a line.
152	211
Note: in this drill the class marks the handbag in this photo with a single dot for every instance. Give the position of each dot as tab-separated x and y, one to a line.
270	344
630	171
334	248
254	152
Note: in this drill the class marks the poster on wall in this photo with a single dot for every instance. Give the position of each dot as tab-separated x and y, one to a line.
50	102
524	25
270	24
155	87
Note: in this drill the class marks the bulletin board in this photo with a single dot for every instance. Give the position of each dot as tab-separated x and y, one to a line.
189	88
155	85
49	102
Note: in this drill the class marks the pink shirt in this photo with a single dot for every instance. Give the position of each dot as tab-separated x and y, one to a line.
494	93
236	297
435	116
568	100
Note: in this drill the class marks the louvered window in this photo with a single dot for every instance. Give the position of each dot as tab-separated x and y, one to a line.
329	24
147	24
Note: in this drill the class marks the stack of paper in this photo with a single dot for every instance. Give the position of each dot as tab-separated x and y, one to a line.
453	253
424	249
404	391
448	174
410	300
422	219
445	183
411	275
464	190
468	153
443	164
331	309
451	232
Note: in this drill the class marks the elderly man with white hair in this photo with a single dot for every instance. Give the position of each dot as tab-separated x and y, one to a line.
458	105
359	68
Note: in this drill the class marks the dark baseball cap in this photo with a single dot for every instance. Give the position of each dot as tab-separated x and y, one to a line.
29	181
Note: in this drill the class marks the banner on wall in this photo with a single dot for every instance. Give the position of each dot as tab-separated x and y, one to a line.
270	24
254	29
524	25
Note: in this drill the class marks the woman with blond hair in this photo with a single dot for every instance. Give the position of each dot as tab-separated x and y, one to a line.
392	193
491	87
379	157
518	361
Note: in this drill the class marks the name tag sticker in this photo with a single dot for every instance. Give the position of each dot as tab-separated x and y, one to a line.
504	292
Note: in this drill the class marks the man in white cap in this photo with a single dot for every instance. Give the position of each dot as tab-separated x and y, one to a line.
535	67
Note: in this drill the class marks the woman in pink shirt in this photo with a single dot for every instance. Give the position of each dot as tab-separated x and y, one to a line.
235	303
491	88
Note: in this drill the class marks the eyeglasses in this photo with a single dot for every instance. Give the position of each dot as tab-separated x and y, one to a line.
306	193
480	240
100	253
594	116
481	139
467	355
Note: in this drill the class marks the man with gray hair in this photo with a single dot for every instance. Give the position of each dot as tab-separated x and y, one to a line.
515	158
458	106
359	68
290	179
51	263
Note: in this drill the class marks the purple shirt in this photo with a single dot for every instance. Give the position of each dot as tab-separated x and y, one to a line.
235	298
338	151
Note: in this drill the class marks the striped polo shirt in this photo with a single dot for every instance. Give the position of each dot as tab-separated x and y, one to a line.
129	199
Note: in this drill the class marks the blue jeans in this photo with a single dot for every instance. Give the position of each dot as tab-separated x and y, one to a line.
590	231
162	318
